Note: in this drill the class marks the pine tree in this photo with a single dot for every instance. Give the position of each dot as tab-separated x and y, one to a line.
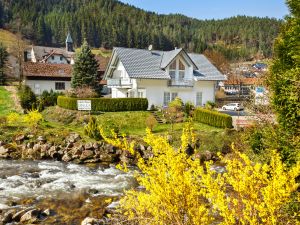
3	60
85	69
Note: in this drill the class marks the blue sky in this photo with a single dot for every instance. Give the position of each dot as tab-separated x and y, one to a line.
217	9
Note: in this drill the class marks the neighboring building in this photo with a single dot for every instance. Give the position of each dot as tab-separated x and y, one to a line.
162	76
45	77
51	55
239	85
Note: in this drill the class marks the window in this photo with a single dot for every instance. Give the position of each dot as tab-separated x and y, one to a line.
52	57
168	97
174	95
172	70
61	58
181	70
141	93
60	86
199	99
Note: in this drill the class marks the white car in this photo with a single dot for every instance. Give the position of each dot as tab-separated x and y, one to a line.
233	106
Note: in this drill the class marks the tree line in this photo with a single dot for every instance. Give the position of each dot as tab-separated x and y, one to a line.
108	23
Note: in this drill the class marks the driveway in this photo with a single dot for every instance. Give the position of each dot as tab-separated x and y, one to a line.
234	113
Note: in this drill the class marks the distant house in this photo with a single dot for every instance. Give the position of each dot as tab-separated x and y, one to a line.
239	85
46	76
42	54
161	76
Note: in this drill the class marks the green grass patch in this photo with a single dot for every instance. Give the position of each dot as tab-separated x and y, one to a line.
6	103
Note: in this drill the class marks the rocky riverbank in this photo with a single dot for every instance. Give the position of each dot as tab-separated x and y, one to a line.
72	149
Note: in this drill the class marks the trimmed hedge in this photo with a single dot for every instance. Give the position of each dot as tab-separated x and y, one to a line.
213	118
106	104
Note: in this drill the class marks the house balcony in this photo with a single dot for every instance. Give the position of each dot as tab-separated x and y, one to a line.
119	83
181	83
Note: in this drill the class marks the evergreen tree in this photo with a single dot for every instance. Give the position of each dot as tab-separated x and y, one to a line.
283	82
85	69
3	60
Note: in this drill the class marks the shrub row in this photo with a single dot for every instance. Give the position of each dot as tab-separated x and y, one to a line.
213	118
106	104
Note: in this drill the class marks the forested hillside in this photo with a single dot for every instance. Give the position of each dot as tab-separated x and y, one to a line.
111	23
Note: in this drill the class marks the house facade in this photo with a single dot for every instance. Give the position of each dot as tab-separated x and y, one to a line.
47	68
42	54
46	77
161	76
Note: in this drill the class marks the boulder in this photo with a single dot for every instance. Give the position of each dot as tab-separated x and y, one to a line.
73	137
67	157
4	152
92	221
41	139
31	216
105	157
7	217
86	154
20	138
88	146
17	216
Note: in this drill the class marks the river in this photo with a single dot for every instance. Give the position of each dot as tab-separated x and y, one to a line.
48	179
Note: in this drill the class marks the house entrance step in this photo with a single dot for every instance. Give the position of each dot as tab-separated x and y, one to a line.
157	117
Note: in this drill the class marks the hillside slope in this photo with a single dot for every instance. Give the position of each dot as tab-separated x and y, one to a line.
111	23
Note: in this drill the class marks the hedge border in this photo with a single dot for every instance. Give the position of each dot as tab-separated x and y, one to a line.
106	104
213	118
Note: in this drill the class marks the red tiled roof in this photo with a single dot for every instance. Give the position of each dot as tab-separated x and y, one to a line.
102	61
47	70
242	80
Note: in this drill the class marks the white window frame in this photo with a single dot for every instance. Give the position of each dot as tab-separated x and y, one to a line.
199	101
168	97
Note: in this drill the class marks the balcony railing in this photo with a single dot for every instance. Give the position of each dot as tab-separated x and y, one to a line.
124	82
181	83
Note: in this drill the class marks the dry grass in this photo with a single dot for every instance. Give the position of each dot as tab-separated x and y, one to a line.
10	40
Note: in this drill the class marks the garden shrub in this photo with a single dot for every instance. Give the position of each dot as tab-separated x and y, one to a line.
106	104
151	122
49	98
27	98
212	118
92	129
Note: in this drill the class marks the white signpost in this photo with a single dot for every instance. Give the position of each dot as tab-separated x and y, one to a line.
84	105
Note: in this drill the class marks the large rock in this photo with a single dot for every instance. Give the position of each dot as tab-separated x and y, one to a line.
87	154
7	217
20	138
92	221
106	157
67	157
31	216
17	216
88	146
4	152
73	137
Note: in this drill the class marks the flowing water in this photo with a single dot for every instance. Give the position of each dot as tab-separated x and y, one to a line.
47	179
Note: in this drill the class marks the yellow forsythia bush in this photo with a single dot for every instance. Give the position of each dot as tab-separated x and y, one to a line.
178	190
33	118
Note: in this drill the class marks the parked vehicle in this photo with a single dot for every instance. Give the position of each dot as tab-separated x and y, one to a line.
233	106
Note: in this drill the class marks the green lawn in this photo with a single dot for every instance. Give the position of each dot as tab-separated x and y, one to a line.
132	124
6	103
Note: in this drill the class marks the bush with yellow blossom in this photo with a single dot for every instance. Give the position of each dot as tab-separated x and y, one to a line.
179	190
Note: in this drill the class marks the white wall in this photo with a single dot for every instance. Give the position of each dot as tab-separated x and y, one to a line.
38	86
155	91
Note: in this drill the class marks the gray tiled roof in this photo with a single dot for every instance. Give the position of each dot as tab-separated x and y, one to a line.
167	57
41	52
141	63
206	70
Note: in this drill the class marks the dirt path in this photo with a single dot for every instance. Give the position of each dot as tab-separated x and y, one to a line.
14	96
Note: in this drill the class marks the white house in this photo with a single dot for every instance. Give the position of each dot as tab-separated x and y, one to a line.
47	68
51	55
161	76
45	77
